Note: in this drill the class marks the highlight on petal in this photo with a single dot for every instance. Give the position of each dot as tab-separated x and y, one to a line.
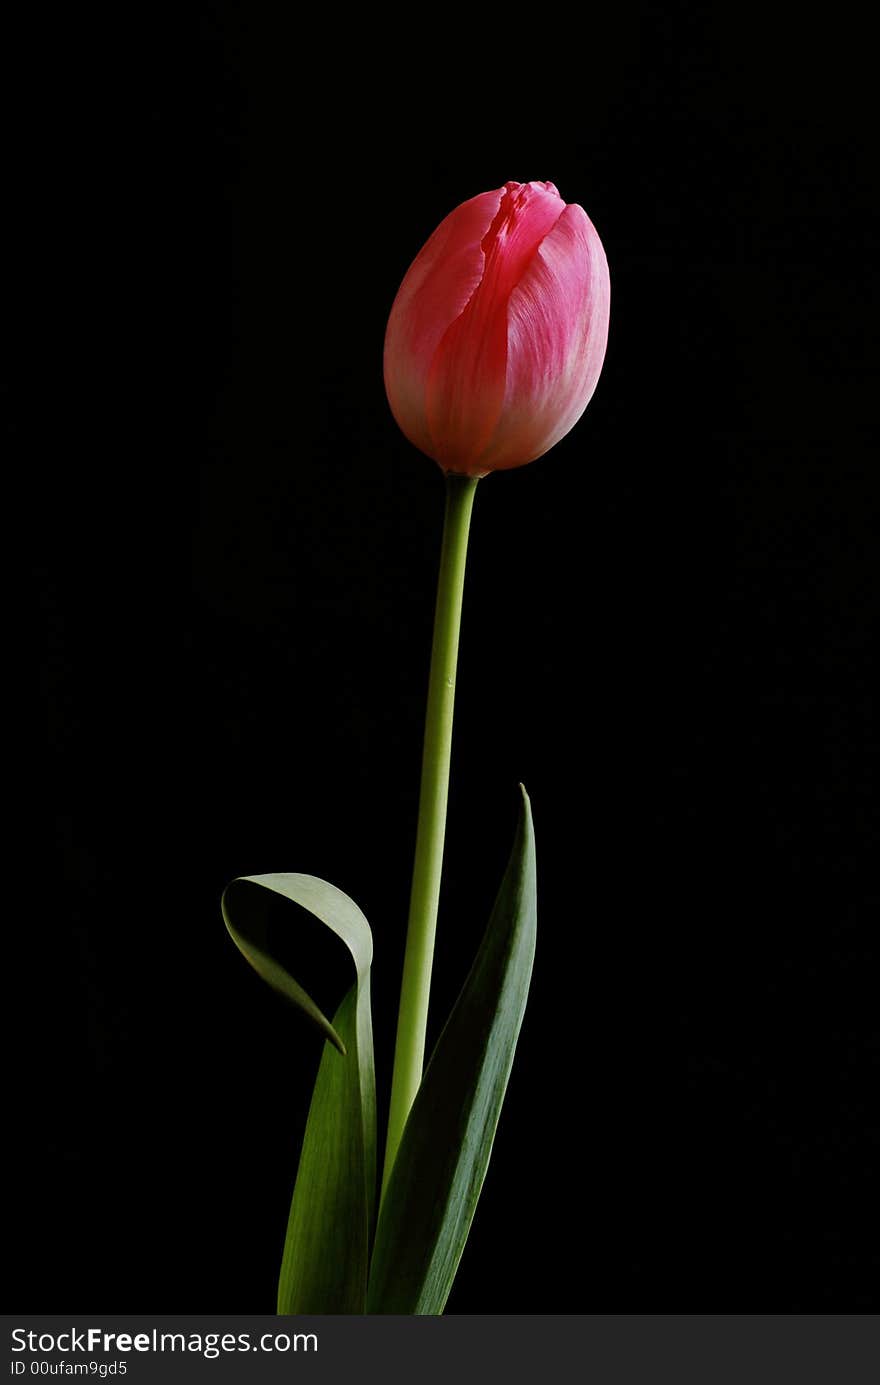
557	335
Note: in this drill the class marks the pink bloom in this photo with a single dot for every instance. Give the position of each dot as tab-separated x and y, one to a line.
497	335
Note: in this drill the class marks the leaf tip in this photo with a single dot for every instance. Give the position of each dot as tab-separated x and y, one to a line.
526	802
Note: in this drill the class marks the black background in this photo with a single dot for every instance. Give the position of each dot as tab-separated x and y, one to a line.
666	637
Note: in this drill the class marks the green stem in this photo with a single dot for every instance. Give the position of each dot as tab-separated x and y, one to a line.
412	1020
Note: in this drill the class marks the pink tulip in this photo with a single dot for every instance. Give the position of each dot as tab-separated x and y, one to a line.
497	335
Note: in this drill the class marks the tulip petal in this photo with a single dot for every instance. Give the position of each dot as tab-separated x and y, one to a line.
557	331
468	377
438	285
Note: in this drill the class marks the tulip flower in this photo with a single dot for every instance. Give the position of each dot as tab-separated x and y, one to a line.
493	349
497	335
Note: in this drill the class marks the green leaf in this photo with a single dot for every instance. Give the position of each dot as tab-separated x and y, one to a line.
324	1266
432	1193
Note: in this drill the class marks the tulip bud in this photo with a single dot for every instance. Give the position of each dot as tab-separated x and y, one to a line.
497	335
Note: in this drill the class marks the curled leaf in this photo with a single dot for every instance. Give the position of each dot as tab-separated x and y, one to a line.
324	1266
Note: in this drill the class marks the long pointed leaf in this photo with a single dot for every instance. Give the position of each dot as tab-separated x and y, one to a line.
324	1266
432	1194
